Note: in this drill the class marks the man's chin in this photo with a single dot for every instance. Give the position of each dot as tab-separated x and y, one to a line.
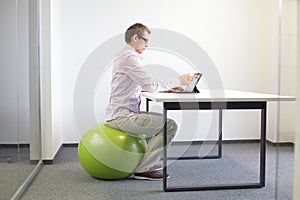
140	51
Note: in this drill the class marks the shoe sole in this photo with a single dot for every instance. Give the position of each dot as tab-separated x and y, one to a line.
157	169
148	178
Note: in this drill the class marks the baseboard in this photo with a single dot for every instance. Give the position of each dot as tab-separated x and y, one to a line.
52	161
281	144
70	145
48	162
25	145
75	145
67	145
199	142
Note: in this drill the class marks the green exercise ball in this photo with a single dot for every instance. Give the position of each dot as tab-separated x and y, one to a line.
107	153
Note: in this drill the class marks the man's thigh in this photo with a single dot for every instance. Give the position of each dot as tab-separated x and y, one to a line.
146	124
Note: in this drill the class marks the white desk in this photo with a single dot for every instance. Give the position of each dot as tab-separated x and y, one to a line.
215	95
217	100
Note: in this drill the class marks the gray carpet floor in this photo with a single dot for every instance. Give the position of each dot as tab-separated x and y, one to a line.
14	169
66	179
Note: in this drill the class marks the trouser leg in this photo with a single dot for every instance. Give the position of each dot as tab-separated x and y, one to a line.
148	125
155	147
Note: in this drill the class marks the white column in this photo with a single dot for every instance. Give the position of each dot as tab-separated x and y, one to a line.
297	132
45	74
297	145
50	78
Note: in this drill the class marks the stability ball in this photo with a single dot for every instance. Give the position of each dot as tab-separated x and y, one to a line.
107	153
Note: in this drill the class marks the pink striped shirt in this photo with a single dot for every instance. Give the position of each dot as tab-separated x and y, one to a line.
129	79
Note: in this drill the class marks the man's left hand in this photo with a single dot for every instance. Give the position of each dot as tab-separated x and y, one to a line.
175	89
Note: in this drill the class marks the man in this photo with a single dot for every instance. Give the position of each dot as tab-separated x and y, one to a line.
123	112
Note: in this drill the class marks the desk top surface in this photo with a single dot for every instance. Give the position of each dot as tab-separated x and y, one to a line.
206	95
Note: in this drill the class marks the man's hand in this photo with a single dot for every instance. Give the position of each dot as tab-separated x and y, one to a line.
185	79
175	89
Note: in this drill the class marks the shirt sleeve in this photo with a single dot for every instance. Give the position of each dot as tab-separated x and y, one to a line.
134	70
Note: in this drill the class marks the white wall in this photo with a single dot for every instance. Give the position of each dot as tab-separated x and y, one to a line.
14	78
241	38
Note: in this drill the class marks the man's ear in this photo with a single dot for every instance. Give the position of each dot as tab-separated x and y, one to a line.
134	38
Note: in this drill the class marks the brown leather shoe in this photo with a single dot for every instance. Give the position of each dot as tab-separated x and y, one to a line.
153	175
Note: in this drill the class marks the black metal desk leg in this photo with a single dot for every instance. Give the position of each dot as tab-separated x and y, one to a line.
220	133
230	105
263	144
147	104
165	150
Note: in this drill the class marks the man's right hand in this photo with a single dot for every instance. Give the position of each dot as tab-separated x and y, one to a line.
185	79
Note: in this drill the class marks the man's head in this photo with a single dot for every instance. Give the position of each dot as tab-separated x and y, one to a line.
137	36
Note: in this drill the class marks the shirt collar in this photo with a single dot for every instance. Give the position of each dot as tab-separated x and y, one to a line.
128	47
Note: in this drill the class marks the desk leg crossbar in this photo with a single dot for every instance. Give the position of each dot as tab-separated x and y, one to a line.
220	106
219	155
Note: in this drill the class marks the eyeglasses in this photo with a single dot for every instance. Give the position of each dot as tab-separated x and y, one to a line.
145	39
